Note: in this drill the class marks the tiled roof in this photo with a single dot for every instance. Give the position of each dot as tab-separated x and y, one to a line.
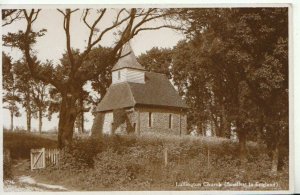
156	91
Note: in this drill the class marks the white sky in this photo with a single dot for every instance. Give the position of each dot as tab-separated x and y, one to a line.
53	45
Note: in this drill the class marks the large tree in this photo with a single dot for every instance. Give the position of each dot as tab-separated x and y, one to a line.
69	83
24	86
33	93
197	85
10	91
41	99
102	81
157	60
245	51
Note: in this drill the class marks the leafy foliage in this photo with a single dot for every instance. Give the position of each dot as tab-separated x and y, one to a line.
129	163
157	60
234	67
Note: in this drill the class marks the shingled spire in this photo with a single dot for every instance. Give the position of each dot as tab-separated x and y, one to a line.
128	59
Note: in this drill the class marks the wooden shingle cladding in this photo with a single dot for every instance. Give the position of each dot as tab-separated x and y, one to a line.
128	75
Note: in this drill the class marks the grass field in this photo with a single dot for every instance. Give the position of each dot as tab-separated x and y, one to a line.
139	163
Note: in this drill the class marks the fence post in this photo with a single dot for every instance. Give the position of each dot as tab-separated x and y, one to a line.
44	157
208	160
166	156
31	160
54	155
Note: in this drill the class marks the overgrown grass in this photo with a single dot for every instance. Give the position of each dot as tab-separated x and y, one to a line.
138	163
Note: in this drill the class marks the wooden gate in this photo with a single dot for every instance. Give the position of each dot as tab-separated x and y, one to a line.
40	158
37	158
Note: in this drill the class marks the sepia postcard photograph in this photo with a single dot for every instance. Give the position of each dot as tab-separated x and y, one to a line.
110	98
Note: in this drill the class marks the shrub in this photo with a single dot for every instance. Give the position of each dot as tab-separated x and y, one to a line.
129	162
80	154
112	168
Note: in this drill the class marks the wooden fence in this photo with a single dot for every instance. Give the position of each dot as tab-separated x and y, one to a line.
41	158
52	157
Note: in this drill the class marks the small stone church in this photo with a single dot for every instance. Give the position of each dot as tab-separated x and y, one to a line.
139	102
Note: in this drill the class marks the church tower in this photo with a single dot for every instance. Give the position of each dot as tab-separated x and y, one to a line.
127	69
139	101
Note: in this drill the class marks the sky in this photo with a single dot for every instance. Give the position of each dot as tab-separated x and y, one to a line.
53	45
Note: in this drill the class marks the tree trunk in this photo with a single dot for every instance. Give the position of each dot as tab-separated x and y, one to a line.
212	129
28	118
242	142
11	120
79	123
242	146
40	120
82	115
82	122
225	129
275	154
203	129
67	117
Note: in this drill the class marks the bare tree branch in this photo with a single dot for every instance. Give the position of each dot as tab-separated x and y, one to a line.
63	13
130	31
32	65
67	21
36	15
8	12
72	11
92	29
118	16
84	18
156	28
115	24
91	43
144	19
10	15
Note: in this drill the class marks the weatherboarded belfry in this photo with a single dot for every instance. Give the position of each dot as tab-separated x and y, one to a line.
139	102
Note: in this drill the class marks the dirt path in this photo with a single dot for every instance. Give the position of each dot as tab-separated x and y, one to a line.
28	184
23	182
